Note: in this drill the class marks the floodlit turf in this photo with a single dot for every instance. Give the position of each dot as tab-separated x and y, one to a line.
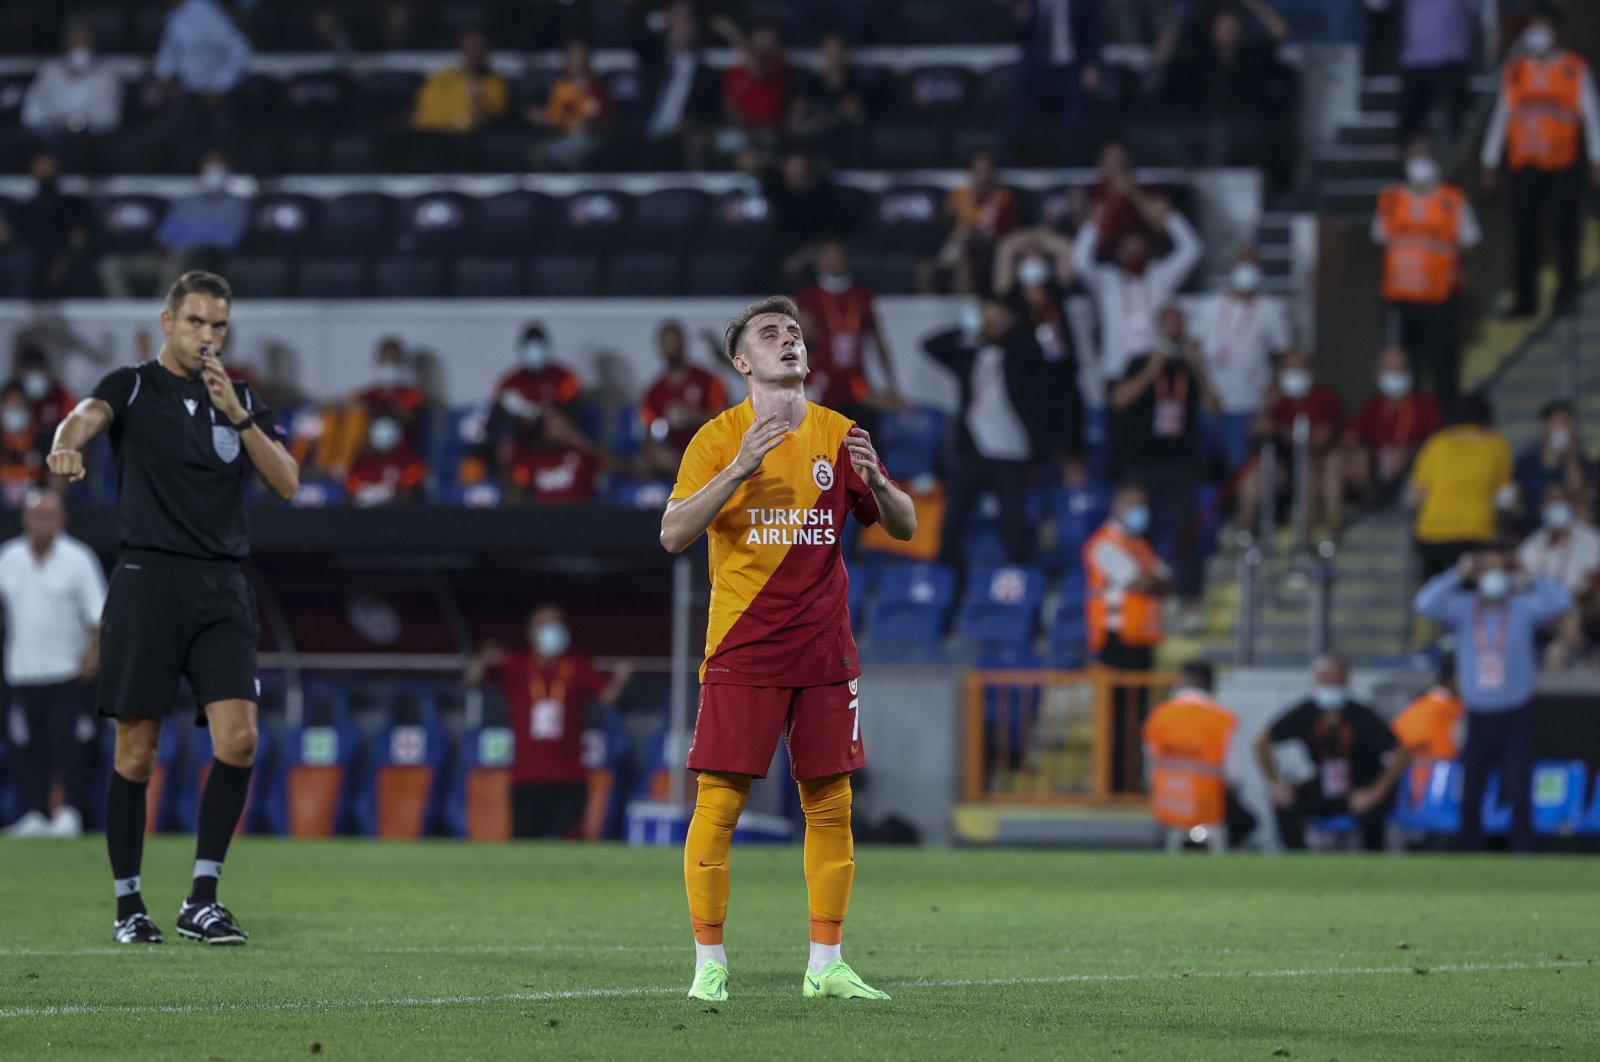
364	950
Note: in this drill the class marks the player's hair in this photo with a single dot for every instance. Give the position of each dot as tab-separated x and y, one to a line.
736	324
1551	11
198	282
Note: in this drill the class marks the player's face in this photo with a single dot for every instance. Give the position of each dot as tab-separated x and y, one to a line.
198	327
772	350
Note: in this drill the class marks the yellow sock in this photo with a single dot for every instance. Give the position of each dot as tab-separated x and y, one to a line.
705	853
830	855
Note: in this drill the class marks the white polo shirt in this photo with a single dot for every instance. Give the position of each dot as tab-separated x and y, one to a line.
51	607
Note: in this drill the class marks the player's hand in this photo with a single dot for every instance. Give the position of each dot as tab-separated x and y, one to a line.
864	457
66	463
1282	795
762	438
220	388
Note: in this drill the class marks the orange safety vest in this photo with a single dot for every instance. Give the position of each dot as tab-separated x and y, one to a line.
1422	243
1186	745
1135	615
1426	729
1544	100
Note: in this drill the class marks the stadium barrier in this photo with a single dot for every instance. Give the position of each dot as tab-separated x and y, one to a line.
1057	737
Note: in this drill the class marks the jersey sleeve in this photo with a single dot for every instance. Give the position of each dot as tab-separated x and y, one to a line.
704	457
116	389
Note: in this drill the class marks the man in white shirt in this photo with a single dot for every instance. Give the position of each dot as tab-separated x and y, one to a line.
73	95
1565	549
53	590
1131	292
1240	333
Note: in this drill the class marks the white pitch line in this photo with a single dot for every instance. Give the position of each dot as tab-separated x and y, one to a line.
79	1010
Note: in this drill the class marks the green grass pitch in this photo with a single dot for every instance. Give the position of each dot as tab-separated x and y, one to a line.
369	951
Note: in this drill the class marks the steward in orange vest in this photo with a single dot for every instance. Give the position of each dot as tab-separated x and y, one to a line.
1546	110
1186	743
1128	586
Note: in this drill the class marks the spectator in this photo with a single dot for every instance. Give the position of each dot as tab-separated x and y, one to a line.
678	402
73	98
1425	227
1461	479
194	233
1565	550
755	91
979	213
1298	400
1137	22
462	98
1186	741
1155	432
1125	205
830	110
51	400
549	690
1433	63
1240	333
805	207
1032	270
1357	758
53	591
1555	458
1495	613
541	453
48	237
1388	430
1059	65
1430	727
1232	83
24	441
1129	294
995	361
1128	586
1546	107
386	469
842	323
393	394
682	96
576	112
200	61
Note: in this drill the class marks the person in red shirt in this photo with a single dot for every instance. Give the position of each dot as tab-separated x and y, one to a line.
840	322
50	400
1296	396
540	451
755	91
677	403
548	690
980	213
394	392
1124	203
1387	431
386	470
21	455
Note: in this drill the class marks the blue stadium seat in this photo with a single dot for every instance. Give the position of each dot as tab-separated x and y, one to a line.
863	576
1068	632
909	441
324	737
464	427
1001	606
631	494
1076	514
1558	790
911	608
1589	821
485	748
1437	808
413	738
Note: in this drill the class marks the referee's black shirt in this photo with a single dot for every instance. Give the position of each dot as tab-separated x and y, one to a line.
181	468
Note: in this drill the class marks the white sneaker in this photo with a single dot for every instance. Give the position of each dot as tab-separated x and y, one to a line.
33	824
66	824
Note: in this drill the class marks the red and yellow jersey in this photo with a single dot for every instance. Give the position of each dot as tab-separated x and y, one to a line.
778	582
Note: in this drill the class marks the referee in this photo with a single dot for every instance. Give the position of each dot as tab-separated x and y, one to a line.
184	438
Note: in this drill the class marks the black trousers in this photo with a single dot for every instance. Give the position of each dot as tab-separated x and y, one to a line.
1536	194
970	475
1503	740
1423	87
1173	493
1130	706
1430	332
547	809
45	724
1309	803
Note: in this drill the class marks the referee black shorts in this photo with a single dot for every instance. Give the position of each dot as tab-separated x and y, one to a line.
170	617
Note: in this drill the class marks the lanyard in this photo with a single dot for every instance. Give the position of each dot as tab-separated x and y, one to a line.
1164	388
1404	417
842	315
1480	632
539	690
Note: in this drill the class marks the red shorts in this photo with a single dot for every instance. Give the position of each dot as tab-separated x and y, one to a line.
738	728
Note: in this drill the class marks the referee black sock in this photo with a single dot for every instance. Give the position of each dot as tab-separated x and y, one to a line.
220	807
125	841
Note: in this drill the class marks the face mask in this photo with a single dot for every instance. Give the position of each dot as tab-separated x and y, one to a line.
384	435
534	354
1295	383
551	639
1394	385
1246	277
213	177
1539	39
35	384
79	58
16	421
971	322
835	283
1034	273
1422	172
1494	585
1330	698
1136	520
1558	516
1560	439
391	375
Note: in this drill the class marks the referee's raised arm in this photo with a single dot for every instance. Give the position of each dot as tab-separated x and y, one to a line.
88	419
